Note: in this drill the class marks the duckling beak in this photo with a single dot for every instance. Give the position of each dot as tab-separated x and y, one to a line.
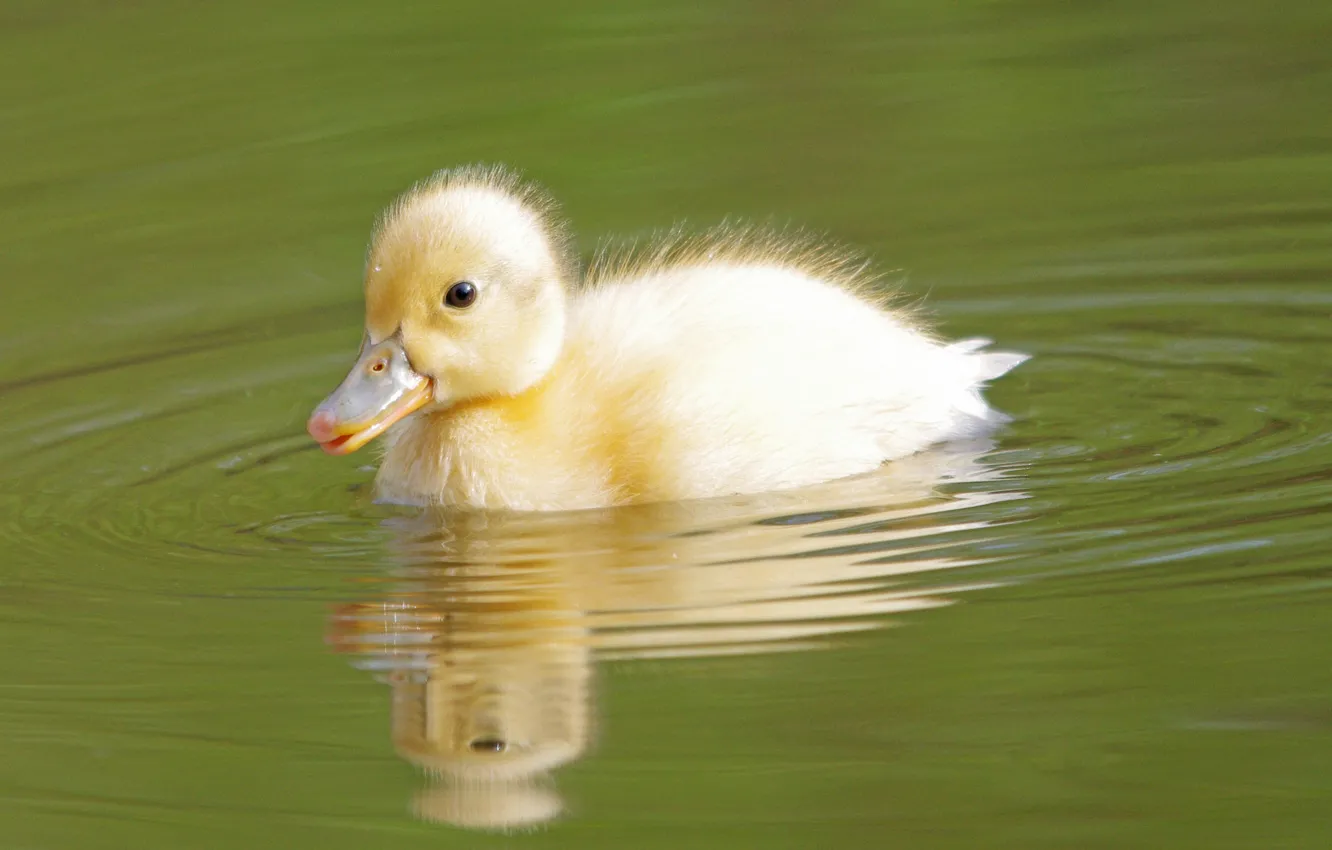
379	390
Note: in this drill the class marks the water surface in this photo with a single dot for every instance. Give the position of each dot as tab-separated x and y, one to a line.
1106	628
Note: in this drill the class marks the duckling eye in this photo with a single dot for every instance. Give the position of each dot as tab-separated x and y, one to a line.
487	745
461	294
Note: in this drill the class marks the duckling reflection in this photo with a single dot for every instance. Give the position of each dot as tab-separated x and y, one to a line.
489	625
490	668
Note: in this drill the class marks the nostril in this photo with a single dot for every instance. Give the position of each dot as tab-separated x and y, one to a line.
321	425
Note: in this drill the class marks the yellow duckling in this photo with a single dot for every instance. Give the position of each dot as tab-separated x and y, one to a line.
734	362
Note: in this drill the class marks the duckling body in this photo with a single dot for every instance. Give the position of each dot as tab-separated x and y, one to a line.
730	363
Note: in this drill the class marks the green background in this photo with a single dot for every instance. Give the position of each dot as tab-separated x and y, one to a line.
1138	193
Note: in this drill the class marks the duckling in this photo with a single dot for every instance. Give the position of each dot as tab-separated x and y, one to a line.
739	361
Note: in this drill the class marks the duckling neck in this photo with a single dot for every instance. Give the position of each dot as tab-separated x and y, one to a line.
503	450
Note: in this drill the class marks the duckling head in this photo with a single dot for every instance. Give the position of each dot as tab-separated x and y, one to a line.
464	299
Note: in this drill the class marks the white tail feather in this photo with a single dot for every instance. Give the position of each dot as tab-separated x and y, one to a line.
989	364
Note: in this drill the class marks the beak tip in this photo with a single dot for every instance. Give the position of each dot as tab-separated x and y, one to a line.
322	426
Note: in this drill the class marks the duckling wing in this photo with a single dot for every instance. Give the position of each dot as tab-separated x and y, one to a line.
753	378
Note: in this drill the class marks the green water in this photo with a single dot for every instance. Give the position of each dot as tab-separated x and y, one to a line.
1109	629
